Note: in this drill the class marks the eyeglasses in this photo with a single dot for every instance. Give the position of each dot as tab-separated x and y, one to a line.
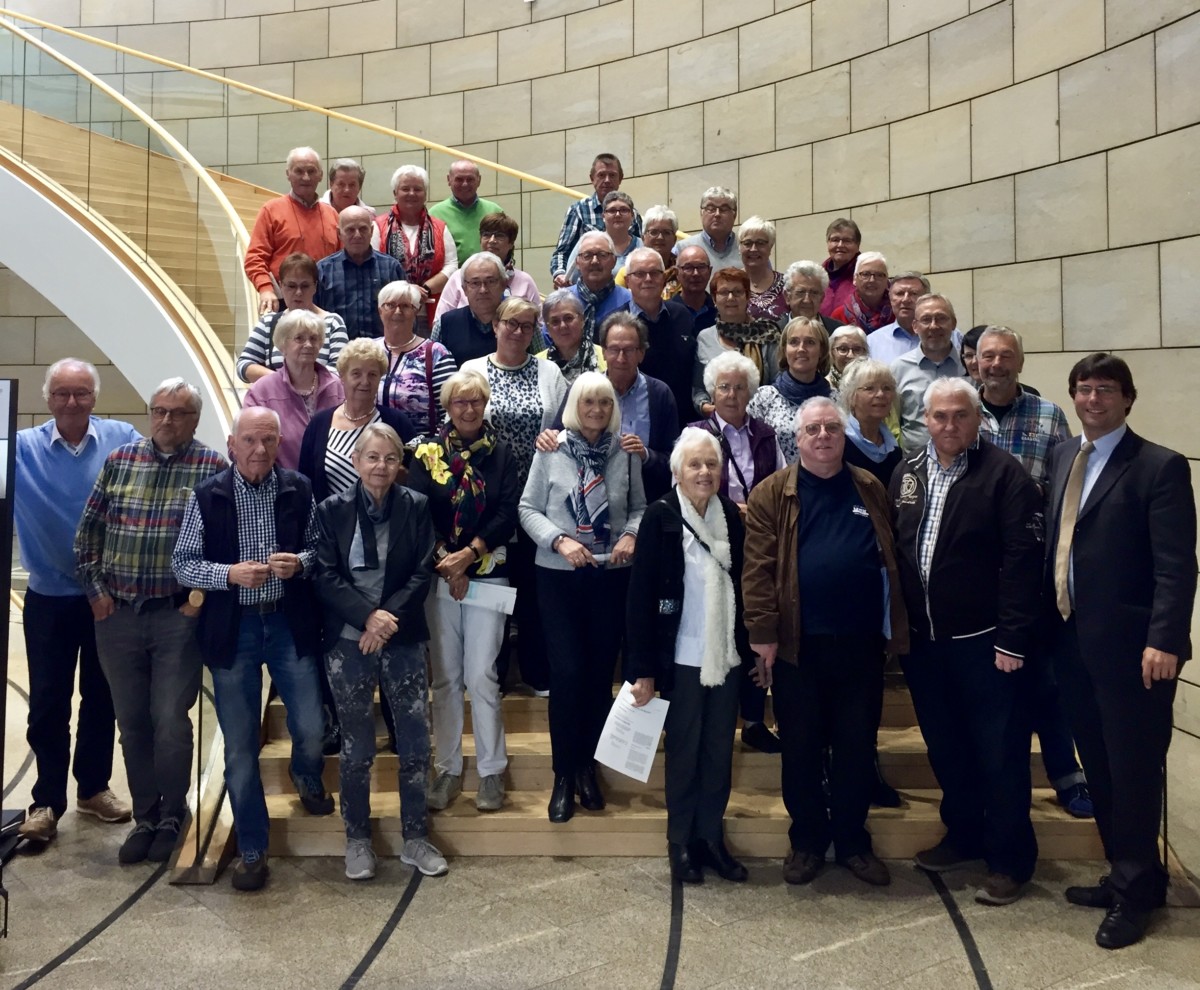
618	211
563	320
461	404
397	305
730	292
871	276
729	388
519	327
648	274
1103	391
755	244
877	389
695	269
481	283
814	429
934	321
78	394
595	255
162	412
621	352
807	293
710	209
299	286
374	459
838	239
849	349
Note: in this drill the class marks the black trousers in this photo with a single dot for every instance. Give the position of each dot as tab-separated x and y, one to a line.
57	631
583	619
531	642
1123	732
830	697
699	748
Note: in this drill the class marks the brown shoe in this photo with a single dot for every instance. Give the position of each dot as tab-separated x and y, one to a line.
40	825
869	869
999	889
106	806
801	867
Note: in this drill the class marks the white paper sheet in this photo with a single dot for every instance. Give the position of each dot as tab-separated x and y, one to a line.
630	737
497	597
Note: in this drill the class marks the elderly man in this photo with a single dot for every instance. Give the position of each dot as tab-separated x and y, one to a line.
671	348
822	599
56	465
348	282
145	619
346	178
469	331
297	222
936	357
694	272
248	542
867	306
1121	569
661	227
718	213
596	290
462	210
968	525
588	214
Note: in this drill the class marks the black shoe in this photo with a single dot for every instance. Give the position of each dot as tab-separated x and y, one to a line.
166	837
1122	926
137	844
331	744
590	795
715	856
562	800
682	866
312	794
883	794
1099	896
758	736
251	872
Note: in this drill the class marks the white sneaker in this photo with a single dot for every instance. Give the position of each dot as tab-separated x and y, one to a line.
40	825
360	859
106	806
423	854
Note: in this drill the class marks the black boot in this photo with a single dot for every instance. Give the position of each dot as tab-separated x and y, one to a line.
590	795
562	800
682	867
715	856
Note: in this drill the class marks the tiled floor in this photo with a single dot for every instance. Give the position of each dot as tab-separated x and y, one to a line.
579	923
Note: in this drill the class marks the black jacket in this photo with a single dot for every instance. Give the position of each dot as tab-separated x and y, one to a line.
409	566
986	572
654	604
316	440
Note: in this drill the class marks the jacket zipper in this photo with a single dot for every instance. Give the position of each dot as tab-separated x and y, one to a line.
920	528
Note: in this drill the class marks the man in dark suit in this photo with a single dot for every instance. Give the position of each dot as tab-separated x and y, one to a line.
1121	570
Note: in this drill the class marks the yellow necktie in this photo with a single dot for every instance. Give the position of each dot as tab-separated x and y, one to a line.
1066	528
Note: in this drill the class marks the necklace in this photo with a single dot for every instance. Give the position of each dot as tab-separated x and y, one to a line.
355	419
509	367
412	343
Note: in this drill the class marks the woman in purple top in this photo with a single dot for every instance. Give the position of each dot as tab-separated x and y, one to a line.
416	367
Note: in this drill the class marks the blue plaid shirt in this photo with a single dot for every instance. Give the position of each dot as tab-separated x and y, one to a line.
1029	432
351	290
941	480
585	215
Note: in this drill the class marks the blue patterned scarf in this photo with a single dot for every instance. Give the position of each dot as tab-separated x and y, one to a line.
588	503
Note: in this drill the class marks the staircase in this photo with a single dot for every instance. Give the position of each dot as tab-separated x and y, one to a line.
635	821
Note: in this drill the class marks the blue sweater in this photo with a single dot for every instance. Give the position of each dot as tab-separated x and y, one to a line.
52	485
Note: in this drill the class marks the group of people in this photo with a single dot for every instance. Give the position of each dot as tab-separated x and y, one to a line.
780	480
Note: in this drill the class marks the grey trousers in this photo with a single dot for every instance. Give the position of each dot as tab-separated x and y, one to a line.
152	664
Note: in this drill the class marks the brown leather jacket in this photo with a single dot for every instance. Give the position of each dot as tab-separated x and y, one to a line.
770	582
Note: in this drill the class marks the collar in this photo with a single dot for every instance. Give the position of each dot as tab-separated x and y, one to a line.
345	256
1108	443
744	428
952	358
299	202
958	465
639	385
455	201
637	310
264	487
171	457
90	432
713	244
894	330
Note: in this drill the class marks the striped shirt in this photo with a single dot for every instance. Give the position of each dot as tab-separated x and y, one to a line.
941	480
339	472
259	348
132	517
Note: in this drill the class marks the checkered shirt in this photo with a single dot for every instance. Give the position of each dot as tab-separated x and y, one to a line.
941	480
1029	432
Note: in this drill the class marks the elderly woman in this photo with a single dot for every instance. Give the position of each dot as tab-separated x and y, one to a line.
346	178
562	312
498	235
582	506
301	388
417	368
803	365
868	307
846	344
618	219
660	229
842	238
804	285
686	638
374	551
734	330
298	281
756	241
470	477
868	395
422	244
469	331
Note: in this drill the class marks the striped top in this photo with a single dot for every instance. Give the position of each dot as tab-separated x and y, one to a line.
339	472
260	348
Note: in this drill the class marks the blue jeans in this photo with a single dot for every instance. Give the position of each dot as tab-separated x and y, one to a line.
238	694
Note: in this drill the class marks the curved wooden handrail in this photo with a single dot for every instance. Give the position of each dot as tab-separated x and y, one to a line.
299	104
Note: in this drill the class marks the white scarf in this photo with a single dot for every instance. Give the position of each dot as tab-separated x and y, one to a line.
720	653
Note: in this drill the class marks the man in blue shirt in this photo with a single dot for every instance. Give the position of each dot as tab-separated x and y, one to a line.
718	213
56	466
348	281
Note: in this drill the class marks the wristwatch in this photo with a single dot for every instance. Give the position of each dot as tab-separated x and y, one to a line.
196	597
440	554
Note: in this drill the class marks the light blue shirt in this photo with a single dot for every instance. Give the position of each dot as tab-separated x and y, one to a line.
635	409
889	342
1096	462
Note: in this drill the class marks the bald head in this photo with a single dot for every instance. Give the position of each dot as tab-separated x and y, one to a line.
354	228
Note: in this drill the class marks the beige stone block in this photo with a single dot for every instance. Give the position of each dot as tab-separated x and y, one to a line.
972	226
890	84
544	212
536	262
435	118
1127	19
164	40
959	288
648	190
601	35
208	139
669	140
543	155
1015	128
243	140
278	78
1165	407
719	15
226	42
17	340
932	151
775	48
118	398
377	190
1027	298
801	238
112	12
183	10
686	186
278	133
401	74
55	337
776	185
1047	35
439	164
269	176
1107	100
333	4
1153	188
813	106
294	37
368	26
568	100
907	18
1063	209
464	63
851	170
634	86
250	8
545	9
487	15
847	28
496	112
19	298
419	22
585	143
739	125
1110	300
972	56
659	25
705	69
899	229
1178	74
355	141
1179	290
532	50
330	82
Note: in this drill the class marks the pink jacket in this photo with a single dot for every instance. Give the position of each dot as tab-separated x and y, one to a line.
275	391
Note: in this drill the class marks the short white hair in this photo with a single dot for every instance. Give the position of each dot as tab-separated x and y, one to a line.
237	418
950	386
644	254
656	213
62	364
731	362
867	257
999	331
813	402
693	436
410	172
759	226
302	152
603	235
846	330
719	192
172	386
805	269
484	258
587	385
